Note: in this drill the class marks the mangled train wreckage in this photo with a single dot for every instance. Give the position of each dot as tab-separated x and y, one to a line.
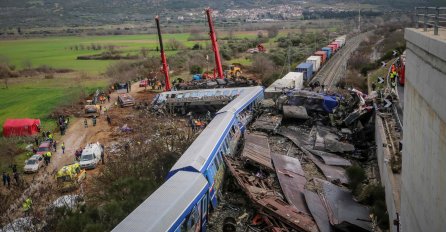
194	184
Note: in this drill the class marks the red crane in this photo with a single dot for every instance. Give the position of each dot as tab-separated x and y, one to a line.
214	45
163	56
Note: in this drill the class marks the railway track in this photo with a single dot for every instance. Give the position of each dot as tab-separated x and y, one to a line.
336	67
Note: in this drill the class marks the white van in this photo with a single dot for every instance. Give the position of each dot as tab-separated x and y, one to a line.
91	156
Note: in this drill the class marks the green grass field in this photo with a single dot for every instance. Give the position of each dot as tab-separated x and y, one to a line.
56	52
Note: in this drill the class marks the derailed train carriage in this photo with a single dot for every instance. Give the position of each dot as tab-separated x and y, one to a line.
191	190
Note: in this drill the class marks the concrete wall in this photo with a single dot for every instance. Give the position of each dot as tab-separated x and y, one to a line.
423	186
389	180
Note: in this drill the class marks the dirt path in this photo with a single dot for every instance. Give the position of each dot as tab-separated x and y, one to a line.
75	137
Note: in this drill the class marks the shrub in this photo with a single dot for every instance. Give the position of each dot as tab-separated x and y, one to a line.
356	176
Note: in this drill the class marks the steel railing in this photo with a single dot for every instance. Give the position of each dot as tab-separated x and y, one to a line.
430	16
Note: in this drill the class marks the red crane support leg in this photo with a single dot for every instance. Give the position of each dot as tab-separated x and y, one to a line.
214	45
163	56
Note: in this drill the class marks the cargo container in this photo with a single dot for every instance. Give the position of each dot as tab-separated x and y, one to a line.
341	42
306	69
342	39
316	60
291	81
333	48
328	50
323	55
297	77
336	45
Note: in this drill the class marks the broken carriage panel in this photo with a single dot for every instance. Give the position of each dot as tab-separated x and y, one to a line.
318	211
292	180
256	149
344	212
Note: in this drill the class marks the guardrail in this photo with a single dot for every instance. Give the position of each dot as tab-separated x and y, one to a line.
431	16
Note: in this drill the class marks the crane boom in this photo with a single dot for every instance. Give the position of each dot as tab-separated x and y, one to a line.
214	44
163	56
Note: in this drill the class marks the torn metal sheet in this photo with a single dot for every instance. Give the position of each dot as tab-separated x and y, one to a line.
330	158
344	212
336	146
328	141
267	122
264	197
297	112
292	180
333	173
318	211
256	149
300	139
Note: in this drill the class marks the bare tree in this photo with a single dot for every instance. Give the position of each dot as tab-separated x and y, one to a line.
273	31
144	52
174	44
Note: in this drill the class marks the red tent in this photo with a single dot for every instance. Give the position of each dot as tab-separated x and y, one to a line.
21	127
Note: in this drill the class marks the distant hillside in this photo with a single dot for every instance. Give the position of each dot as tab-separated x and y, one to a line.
47	13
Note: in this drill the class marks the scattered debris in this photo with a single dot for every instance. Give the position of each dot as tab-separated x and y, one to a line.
259	189
297	112
267	122
125	100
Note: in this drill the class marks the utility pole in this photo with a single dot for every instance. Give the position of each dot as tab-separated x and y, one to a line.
359	21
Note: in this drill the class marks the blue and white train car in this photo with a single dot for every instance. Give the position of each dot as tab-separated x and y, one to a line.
171	207
180	204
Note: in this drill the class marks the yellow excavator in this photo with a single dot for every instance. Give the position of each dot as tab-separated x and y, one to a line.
233	71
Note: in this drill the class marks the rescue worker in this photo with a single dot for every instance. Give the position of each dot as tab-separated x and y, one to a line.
94	120
49	156
63	148
4	177
8	180
27	206
16	178
55	146
85	123
108	120
50	137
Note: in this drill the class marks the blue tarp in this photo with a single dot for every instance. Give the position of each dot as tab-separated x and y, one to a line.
330	103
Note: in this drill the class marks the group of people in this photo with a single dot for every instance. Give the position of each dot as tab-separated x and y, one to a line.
7	178
199	122
77	154
62	122
156	84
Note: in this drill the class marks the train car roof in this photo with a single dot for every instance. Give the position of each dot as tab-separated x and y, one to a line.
196	157
239	103
166	205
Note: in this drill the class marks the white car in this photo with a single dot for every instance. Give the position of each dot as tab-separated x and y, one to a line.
33	164
91	155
